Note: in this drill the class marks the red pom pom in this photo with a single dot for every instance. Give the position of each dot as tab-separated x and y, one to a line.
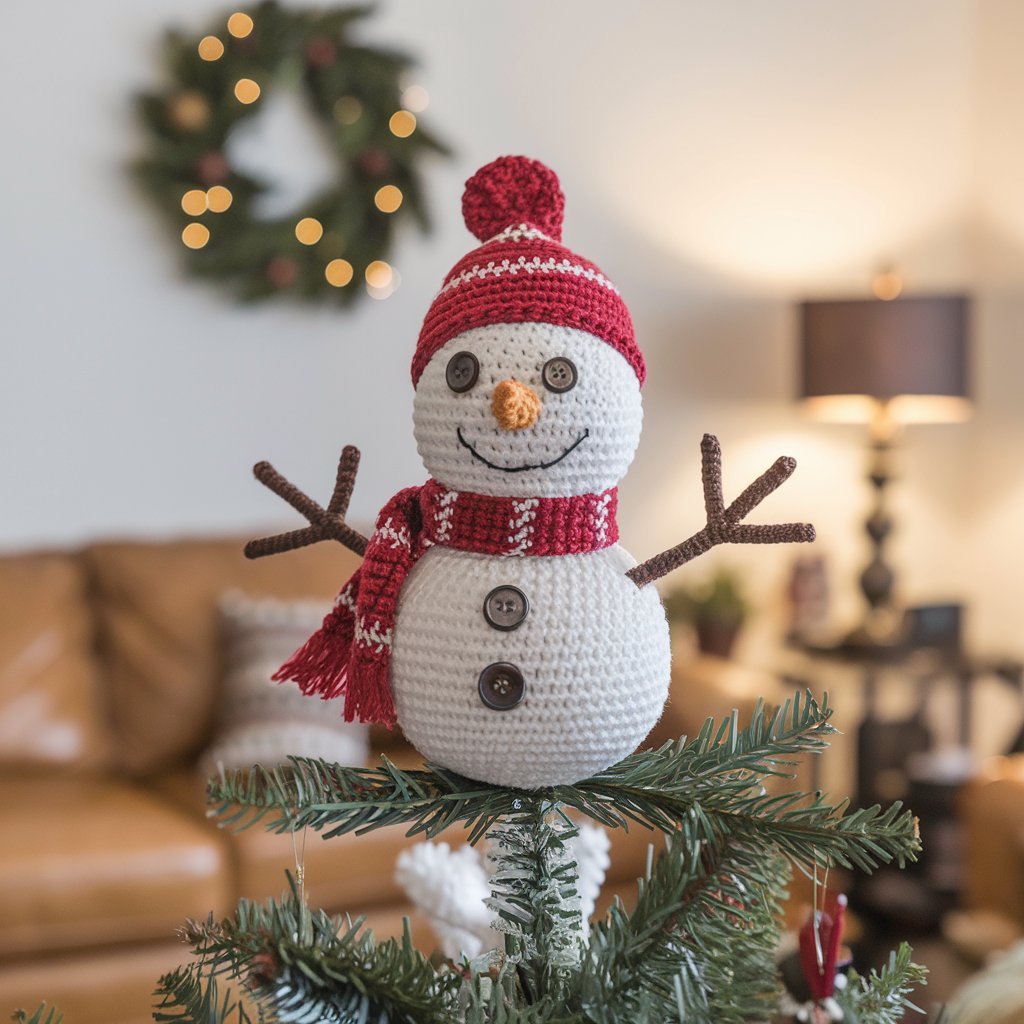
513	190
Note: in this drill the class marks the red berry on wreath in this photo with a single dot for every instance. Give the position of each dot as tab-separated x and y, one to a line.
321	52
212	169
374	162
281	272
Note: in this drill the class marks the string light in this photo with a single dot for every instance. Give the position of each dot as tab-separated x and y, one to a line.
239	25
887	285
338	273
218	199
309	231
402	123
379	274
347	110
193	202
195	235
211	48
416	99
246	90
388	198
382	291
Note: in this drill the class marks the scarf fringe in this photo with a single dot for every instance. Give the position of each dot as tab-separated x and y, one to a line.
368	694
320	665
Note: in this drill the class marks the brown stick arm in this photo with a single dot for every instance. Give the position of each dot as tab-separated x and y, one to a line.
324	523
723	524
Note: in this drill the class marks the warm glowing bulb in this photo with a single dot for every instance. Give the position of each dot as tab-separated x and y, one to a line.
211	48
195	235
415	98
379	274
309	231
246	90
193	202
218	199
887	285
388	198
239	25
338	273
402	123
347	110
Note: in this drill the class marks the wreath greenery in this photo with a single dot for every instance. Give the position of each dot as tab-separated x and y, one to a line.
341	237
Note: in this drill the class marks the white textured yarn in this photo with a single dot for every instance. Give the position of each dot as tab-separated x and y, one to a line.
605	402
593	650
527	265
449	887
262	722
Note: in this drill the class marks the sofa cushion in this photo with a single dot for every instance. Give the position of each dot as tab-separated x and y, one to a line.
345	874
52	713
85	862
263	722
157	616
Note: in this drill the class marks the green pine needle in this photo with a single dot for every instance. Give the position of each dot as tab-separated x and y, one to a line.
40	1016
712	784
884	996
301	965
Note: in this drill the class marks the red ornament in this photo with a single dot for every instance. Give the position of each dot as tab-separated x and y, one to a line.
819	946
212	169
282	272
374	162
321	52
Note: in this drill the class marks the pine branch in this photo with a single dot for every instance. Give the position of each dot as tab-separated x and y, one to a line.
187	995
324	796
534	893
698	945
52	1016
884	996
301	965
714	781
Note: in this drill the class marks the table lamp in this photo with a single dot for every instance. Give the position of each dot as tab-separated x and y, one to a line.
884	363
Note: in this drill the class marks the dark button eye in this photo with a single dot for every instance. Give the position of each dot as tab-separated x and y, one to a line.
559	374
462	372
501	686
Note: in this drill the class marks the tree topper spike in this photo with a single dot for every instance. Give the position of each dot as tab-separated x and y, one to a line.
723	524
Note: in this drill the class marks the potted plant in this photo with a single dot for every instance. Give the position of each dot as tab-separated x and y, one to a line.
716	609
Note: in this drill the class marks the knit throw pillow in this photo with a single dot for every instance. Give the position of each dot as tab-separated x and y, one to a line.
263	722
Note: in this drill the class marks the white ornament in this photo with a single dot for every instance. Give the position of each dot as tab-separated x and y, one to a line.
450	888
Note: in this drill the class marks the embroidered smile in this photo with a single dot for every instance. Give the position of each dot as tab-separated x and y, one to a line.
521	469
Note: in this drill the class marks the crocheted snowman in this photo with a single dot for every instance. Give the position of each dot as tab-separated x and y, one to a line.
495	616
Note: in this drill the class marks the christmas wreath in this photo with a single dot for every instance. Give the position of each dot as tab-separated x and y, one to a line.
344	235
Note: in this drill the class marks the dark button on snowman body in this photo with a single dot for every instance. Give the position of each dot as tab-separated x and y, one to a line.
501	686
506	607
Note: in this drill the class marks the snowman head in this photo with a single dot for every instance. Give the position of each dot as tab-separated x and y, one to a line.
526	370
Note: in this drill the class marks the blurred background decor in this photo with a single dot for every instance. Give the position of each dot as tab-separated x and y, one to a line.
207	163
885	362
715	610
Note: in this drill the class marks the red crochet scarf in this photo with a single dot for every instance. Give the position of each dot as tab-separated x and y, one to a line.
351	652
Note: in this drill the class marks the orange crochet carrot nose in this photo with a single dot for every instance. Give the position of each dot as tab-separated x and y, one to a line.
515	405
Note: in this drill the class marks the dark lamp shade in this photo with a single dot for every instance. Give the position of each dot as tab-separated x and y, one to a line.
908	354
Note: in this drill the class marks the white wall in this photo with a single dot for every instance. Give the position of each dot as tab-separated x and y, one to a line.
720	161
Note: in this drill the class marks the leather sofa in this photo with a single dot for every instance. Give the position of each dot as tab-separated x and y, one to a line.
109	686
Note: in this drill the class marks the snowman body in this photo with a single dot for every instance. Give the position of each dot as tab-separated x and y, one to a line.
587	665
517	669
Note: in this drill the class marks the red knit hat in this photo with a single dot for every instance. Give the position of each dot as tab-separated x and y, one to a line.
522	273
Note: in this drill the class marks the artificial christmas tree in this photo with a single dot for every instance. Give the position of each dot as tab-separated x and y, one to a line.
525	655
